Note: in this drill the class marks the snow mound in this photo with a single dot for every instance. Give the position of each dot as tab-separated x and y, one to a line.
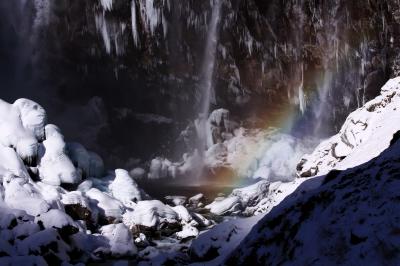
120	239
222	206
124	188
54	166
150	213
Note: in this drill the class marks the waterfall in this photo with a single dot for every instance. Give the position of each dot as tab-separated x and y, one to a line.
207	70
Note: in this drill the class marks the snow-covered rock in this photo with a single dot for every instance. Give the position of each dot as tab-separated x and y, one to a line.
54	166
365	134
214	245
188	231
124	188
14	134
150	213
55	219
120	240
176	200
346	220
33	117
222	206
108	206
23	196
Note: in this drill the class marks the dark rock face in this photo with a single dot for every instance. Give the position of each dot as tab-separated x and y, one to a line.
88	64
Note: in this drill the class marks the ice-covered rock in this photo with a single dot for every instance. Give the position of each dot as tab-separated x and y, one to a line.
88	162
124	188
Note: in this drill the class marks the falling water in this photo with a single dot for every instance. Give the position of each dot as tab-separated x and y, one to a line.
207	70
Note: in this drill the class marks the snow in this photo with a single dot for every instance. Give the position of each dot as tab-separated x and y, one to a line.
120	239
109	206
54	166
33	117
150	213
187	232
48	238
23	196
221	240
55	219
124	188
224	205
345	220
365	134
14	134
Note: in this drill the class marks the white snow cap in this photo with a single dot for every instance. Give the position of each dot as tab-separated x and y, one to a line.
124	188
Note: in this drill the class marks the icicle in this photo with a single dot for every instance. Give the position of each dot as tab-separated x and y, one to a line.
135	33
107	4
101	25
302	99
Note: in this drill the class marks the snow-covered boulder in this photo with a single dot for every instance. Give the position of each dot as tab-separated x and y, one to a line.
14	134
223	206
188	231
150	213
107	205
124	187
11	164
46	243
23	196
57	219
54	166
251	195
33	117
120	240
365	134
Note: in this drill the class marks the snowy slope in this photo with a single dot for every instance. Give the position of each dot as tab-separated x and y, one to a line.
350	220
347	216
